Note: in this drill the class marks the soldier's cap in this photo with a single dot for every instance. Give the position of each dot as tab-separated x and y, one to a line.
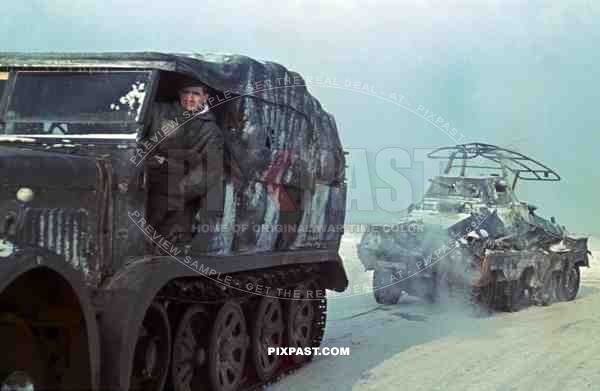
192	84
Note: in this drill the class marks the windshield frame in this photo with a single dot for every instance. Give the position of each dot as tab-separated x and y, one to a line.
128	127
441	180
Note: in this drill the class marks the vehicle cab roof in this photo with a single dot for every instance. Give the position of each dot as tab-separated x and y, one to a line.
236	74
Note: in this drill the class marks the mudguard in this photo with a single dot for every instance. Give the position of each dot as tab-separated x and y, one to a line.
581	252
28	259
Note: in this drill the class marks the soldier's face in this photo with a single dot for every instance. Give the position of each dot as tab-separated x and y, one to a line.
192	98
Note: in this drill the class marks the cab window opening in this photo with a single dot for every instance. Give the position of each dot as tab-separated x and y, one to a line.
74	102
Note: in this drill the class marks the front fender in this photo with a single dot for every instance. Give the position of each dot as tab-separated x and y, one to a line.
336	277
124	302
30	259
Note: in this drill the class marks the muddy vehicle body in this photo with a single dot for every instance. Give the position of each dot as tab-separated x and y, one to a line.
83	305
470	232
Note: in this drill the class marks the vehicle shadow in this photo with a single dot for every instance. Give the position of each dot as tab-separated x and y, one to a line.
586	290
381	332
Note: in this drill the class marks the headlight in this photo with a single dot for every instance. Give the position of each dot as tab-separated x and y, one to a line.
25	194
6	248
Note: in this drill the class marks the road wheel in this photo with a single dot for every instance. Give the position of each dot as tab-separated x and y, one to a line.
568	284
228	347
21	361
18	380
152	351
387	290
267	332
190	350
301	318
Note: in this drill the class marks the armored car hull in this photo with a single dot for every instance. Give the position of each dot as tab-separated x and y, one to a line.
470	234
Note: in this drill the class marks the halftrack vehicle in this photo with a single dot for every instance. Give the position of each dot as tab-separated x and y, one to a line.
84	303
471	233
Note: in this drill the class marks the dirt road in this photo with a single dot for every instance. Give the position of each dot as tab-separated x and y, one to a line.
414	346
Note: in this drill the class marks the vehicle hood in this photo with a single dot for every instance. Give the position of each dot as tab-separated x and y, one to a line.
35	168
423	232
62	215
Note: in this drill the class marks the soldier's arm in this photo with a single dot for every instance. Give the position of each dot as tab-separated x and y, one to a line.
150	128
205	159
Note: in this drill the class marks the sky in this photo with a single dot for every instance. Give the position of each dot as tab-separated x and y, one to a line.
517	74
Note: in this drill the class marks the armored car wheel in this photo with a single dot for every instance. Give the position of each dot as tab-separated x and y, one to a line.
421	287
228	347
267	332
547	293
386	289
515	298
190	350
152	351
491	295
568	283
